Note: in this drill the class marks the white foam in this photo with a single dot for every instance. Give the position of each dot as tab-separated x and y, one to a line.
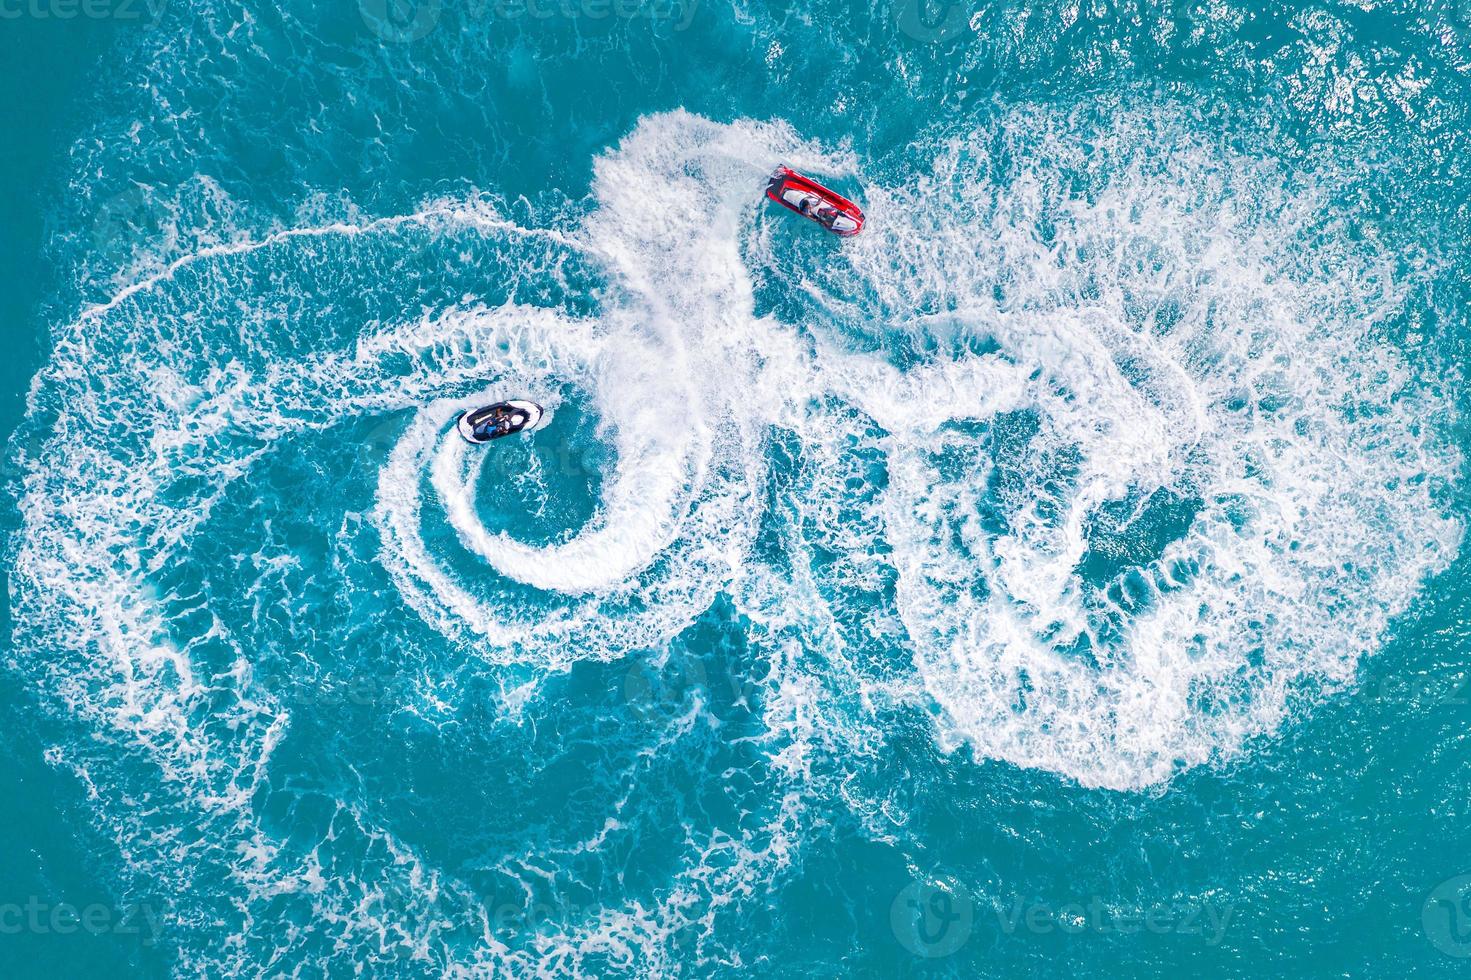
1157	339
1134	336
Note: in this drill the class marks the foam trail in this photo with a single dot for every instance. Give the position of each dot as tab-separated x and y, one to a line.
1159	354
452	213
1070	453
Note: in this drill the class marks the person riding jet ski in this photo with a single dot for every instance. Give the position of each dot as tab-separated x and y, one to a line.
813	201
481	425
812	206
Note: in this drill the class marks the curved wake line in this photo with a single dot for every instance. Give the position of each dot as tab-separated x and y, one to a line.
1197	480
454	213
1120	477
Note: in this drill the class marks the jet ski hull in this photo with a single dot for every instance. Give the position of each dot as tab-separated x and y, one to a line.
785	182
535	413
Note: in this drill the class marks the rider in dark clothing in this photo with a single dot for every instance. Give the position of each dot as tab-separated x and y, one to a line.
497	421
813	207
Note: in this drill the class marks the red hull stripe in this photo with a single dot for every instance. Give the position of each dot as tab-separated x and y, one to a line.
790	179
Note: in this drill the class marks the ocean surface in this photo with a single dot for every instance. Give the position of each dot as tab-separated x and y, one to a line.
1067	576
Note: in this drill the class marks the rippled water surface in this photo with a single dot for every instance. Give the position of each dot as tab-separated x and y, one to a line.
1063	577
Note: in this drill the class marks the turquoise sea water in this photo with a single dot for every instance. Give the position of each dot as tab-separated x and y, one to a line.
1064	577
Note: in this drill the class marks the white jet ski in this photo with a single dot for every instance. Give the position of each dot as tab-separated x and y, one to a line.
480	425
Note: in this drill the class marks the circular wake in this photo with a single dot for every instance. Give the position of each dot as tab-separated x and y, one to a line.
1149	467
1096	455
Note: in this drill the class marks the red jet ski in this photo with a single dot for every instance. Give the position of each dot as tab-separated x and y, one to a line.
811	200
